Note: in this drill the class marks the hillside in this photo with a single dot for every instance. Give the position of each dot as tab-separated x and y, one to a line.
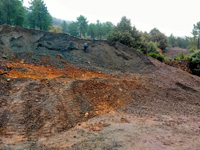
53	95
172	52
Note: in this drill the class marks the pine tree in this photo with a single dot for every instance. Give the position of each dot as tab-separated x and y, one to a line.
64	27
82	25
92	30
73	29
39	16
12	12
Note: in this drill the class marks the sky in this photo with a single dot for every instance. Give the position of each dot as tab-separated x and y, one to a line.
169	16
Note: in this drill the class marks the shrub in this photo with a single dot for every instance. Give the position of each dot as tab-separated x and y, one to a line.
157	56
152	48
122	37
195	63
181	56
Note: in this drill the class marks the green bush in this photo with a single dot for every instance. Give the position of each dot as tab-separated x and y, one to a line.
122	37
157	56
195	63
152	48
181	56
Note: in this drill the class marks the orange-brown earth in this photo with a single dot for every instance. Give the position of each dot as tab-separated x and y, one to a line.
58	97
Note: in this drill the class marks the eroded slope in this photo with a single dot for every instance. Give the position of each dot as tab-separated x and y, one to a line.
49	88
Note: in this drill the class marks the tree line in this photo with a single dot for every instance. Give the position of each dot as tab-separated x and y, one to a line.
82	29
12	12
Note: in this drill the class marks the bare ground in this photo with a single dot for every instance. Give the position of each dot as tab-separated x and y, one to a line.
57	97
172	52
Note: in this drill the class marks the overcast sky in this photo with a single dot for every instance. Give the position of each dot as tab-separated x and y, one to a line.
169	16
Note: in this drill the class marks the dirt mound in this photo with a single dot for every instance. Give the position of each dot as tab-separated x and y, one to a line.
55	96
180	64
172	52
44	48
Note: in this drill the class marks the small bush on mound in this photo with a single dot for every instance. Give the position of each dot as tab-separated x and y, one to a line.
195	63
181	56
157	56
153	51
152	48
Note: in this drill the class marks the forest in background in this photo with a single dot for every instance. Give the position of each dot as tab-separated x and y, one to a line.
154	43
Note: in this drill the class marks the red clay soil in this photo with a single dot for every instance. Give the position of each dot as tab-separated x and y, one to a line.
109	98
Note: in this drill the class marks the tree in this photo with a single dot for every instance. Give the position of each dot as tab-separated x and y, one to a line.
145	37
196	33
154	31
64	27
195	63
159	38
12	12
124	25
39	16
99	29
73	29
122	37
172	40
82	25
124	31
92	30
152	48
107	27
193	40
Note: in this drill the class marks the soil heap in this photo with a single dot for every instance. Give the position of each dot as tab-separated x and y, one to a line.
53	95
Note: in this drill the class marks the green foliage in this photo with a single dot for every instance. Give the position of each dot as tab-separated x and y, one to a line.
157	56
145	37
99	29
39	16
172	40
64	27
152	48
82	25
181	56
195	63
194	42
182	42
122	33
12	12
92	30
159	38
122	37
73	29
192	48
142	42
107	27
124	25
